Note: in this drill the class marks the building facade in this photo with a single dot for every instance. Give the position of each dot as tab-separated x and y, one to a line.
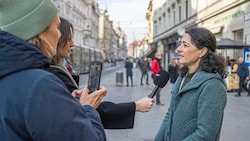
225	18
94	36
122	44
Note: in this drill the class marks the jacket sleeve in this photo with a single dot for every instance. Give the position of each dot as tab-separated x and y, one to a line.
52	113
117	116
247	71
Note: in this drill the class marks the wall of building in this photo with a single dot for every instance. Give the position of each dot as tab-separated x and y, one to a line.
222	17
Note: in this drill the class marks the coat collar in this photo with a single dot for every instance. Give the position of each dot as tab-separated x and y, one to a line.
198	79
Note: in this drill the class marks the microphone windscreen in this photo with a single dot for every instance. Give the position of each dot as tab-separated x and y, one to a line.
161	78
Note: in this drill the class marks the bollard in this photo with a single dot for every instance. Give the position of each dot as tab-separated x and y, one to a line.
119	78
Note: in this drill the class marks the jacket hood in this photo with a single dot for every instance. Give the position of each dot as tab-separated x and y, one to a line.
17	55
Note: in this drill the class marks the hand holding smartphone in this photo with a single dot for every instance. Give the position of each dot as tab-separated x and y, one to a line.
94	76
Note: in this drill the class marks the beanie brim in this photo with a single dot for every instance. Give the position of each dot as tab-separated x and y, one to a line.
34	22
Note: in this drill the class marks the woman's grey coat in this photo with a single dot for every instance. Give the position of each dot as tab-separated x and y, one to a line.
196	110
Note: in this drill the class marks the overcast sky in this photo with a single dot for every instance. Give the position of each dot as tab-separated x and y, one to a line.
129	14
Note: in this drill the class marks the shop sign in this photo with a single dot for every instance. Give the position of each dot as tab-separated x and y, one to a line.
230	16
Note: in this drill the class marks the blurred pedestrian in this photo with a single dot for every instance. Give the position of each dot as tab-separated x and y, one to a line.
144	67
228	62
155	68
113	115
34	104
234	66
129	73
173	71
199	96
243	74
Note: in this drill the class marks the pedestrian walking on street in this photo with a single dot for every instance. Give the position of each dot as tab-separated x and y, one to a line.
243	74
173	71
113	115
155	68
199	97
34	104
144	67
129	73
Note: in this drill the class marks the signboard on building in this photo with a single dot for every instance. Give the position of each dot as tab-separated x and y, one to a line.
247	16
247	56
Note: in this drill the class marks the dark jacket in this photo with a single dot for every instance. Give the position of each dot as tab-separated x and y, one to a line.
113	116
34	104
173	71
129	66
243	71
144	66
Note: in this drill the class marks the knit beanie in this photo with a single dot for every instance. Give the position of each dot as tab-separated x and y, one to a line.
26	18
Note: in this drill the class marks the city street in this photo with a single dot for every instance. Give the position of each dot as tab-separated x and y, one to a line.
236	124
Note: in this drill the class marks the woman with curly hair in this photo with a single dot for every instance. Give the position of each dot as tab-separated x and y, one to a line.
199	96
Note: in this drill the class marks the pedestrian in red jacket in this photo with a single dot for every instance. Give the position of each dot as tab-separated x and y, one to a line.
155	68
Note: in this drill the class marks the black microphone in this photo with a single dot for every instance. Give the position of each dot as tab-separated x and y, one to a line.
160	80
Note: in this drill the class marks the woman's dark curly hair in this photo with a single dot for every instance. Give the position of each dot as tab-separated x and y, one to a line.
210	62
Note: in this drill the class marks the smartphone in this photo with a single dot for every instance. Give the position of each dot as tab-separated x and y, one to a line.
94	76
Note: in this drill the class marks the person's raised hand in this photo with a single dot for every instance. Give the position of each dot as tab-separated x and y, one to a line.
94	99
77	94
144	104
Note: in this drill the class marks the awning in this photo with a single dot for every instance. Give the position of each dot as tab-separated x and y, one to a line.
232	44
150	53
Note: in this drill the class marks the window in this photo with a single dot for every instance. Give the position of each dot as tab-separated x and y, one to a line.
174	17
179	13
238	35
173	7
186	9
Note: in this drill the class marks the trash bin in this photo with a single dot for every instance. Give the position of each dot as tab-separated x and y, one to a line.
119	78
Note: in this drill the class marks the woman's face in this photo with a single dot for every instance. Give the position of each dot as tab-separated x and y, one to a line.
67	48
52	34
189	54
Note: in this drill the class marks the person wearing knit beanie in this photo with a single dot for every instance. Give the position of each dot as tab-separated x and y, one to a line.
26	18
35	104
30	20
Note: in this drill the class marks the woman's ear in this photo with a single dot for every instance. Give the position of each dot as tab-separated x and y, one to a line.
203	51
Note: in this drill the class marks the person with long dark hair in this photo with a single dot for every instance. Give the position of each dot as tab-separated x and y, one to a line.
113	115
199	96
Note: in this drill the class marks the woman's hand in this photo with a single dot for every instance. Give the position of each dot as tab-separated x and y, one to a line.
94	99
144	104
77	94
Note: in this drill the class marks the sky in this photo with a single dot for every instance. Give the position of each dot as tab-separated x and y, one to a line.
129	14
